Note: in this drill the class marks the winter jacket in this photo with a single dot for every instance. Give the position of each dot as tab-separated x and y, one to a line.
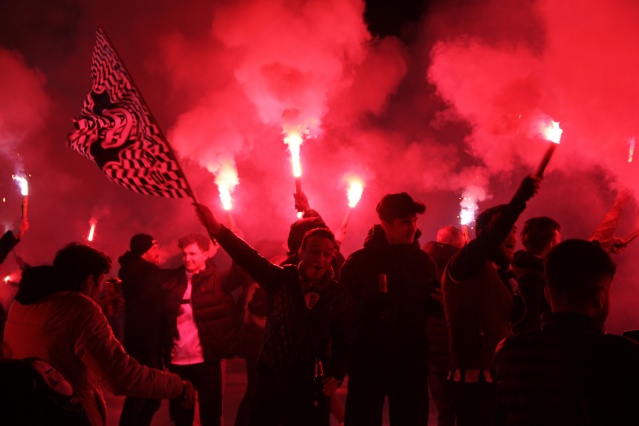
144	308
389	328
214	310
529	270
568	373
69	331
481	299
294	335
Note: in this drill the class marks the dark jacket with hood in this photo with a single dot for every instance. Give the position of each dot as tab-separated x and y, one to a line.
144	308
529	270
389	328
214	309
295	335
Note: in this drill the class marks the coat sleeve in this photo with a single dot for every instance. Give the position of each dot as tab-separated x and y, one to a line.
105	357
469	259
7	242
264	273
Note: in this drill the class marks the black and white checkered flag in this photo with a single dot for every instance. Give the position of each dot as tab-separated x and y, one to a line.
116	130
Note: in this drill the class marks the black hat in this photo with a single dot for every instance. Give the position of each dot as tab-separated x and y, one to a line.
141	243
397	206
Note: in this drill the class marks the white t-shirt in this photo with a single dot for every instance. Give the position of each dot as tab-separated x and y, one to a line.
186	347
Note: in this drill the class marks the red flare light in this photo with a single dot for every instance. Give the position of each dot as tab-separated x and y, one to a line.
355	189
92	222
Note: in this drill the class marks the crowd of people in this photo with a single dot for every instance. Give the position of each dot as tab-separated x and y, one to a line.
497	337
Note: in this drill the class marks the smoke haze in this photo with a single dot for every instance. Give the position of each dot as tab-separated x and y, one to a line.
448	102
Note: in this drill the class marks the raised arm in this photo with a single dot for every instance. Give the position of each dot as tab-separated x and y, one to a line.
470	258
263	272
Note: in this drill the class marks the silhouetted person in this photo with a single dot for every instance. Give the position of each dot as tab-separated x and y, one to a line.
570	372
55	318
201	321
449	240
389	284
142	281
304	324
482	301
538	236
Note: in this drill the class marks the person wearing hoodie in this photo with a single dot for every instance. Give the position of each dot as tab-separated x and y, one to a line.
55	318
142	281
388	285
539	236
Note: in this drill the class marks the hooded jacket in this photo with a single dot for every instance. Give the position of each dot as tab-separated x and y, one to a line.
69	331
389	327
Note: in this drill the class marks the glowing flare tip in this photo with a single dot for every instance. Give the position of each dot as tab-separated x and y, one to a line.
91	231
468	210
226	180
294	141
24	185
631	149
552	132
355	189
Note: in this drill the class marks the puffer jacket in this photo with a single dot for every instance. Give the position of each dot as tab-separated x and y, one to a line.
389	328
215	312
69	331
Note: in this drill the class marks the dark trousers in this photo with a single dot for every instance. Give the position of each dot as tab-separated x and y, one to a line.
251	344
207	380
138	411
407	394
286	404
440	391
474	403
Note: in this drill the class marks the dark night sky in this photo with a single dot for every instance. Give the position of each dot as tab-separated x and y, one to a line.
434	98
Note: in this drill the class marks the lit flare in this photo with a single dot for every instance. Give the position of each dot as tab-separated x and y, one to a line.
551	131
93	222
24	190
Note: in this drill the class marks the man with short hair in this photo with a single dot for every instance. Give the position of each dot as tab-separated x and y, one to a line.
538	236
305	326
570	372
389	284
142	281
55	318
482	301
201	321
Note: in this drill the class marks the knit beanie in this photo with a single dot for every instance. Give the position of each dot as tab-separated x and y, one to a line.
141	243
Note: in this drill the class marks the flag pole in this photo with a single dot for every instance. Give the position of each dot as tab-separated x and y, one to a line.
135	86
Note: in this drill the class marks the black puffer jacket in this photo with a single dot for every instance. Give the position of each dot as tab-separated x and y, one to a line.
214	309
294	335
389	328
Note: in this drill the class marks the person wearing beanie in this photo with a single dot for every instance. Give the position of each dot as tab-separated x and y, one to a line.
142	281
388	284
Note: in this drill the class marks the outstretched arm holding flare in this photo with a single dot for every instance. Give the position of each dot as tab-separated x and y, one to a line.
10	239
